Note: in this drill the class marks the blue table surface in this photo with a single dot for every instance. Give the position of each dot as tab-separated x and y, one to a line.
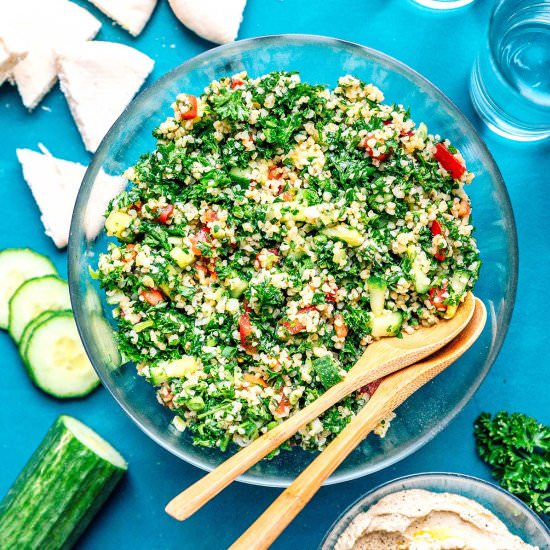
442	47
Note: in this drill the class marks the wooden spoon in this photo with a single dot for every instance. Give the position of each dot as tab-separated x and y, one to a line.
381	358
393	390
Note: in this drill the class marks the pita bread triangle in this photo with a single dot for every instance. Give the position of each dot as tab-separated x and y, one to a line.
131	15
8	60
215	20
99	79
55	183
39	27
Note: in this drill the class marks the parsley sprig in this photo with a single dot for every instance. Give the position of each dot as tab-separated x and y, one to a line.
517	448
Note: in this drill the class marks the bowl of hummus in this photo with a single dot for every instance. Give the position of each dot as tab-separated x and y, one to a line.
437	511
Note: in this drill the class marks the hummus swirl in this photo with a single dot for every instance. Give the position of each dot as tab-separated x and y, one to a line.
423	520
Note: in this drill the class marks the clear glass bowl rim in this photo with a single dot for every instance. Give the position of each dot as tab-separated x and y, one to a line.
429	476
76	233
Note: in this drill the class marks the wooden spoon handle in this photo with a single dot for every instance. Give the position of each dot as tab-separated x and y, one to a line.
287	506
198	494
391	393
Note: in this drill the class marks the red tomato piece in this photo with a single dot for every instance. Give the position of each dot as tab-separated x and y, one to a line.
340	327
236	82
435	228
284	403
152	297
448	161
438	296
440	255
203	236
245	328
193	110
165	213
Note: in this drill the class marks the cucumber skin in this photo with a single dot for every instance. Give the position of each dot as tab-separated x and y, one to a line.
30	370
10	326
56	495
25	249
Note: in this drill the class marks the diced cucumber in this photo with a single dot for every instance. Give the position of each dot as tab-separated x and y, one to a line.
32	298
29	329
459	281
386	324
181	257
175	369
377	292
60	489
117	222
237	286
240	175
422	131
343	232
418	260
56	360
327	371
18	265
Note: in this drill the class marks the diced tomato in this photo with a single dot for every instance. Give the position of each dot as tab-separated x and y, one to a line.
165	213
136	206
251	379
210	216
275	173
284	403
152	297
380	156
438	296
245	330
464	208
340	327
388	122
448	161
331	296
440	255
294	326
203	236
409	133
236	82
193	110
130	253
371	387
435	228
287	196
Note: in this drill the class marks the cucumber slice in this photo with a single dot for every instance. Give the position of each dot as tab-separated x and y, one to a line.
32	298
419	261
29	329
17	265
377	292
459	281
56	360
60	489
240	175
344	233
386	324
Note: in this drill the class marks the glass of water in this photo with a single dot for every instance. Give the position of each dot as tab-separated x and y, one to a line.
443	4
510	81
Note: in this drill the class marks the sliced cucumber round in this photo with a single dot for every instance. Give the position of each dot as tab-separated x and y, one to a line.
32	298
60	489
56	360
17	265
29	329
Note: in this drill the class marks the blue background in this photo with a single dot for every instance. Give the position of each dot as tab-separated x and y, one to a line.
442	47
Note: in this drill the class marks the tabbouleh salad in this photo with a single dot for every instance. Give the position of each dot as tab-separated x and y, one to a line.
275	231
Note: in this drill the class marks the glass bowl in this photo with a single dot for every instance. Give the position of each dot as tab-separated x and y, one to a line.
519	519
319	60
